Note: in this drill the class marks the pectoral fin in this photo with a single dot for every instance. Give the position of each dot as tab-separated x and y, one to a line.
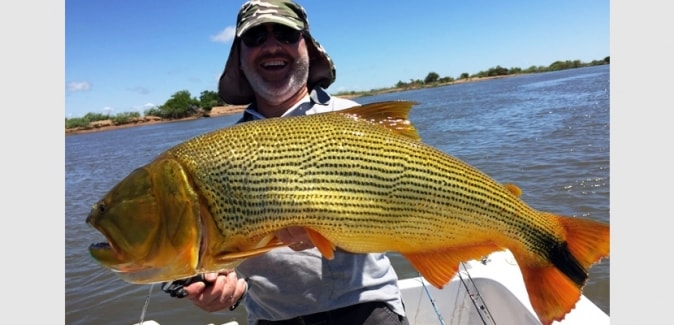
251	252
325	246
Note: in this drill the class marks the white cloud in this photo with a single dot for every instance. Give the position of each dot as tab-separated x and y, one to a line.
224	36
79	86
140	90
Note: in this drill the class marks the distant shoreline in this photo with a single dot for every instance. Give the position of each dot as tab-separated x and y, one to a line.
107	125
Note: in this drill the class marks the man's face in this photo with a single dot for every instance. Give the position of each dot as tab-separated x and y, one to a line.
275	60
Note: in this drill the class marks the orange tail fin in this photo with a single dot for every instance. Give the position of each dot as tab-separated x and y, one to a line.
555	287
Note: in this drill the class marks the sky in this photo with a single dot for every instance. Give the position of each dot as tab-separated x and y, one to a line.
127	56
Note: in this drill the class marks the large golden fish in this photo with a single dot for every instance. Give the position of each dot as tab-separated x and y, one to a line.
359	180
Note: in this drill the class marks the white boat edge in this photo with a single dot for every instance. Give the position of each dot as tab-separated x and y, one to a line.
490	291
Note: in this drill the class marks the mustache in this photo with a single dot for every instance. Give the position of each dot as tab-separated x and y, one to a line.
275	55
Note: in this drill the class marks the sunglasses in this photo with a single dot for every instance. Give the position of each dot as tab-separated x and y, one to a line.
256	36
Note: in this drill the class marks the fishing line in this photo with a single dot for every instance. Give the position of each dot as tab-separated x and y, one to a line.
147	302
430	298
474	294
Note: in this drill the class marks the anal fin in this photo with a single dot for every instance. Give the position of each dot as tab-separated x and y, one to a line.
439	267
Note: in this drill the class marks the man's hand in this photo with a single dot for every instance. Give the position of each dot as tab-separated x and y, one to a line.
219	291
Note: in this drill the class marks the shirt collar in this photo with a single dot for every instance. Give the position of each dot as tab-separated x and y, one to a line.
317	95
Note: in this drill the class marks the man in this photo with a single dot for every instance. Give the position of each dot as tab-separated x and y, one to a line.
281	70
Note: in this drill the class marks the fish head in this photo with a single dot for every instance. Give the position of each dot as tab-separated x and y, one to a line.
151	221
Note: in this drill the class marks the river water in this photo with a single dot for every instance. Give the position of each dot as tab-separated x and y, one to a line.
546	132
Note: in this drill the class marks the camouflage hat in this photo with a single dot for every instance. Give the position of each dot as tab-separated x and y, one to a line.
233	86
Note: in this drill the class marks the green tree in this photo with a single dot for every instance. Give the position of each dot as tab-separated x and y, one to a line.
431	77
125	117
515	70
153	111
208	99
446	79
562	65
497	71
76	122
93	117
181	104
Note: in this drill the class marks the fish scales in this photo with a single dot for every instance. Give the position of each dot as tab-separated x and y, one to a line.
301	168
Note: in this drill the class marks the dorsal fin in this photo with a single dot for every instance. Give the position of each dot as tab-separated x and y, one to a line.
391	115
514	189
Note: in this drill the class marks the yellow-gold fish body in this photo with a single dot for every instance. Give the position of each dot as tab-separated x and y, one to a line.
358	179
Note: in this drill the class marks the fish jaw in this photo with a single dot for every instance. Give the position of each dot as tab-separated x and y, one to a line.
152	225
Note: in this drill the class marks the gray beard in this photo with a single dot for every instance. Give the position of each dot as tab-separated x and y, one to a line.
278	92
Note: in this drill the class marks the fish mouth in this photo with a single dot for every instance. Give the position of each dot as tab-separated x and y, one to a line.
104	243
100	245
118	260
104	251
